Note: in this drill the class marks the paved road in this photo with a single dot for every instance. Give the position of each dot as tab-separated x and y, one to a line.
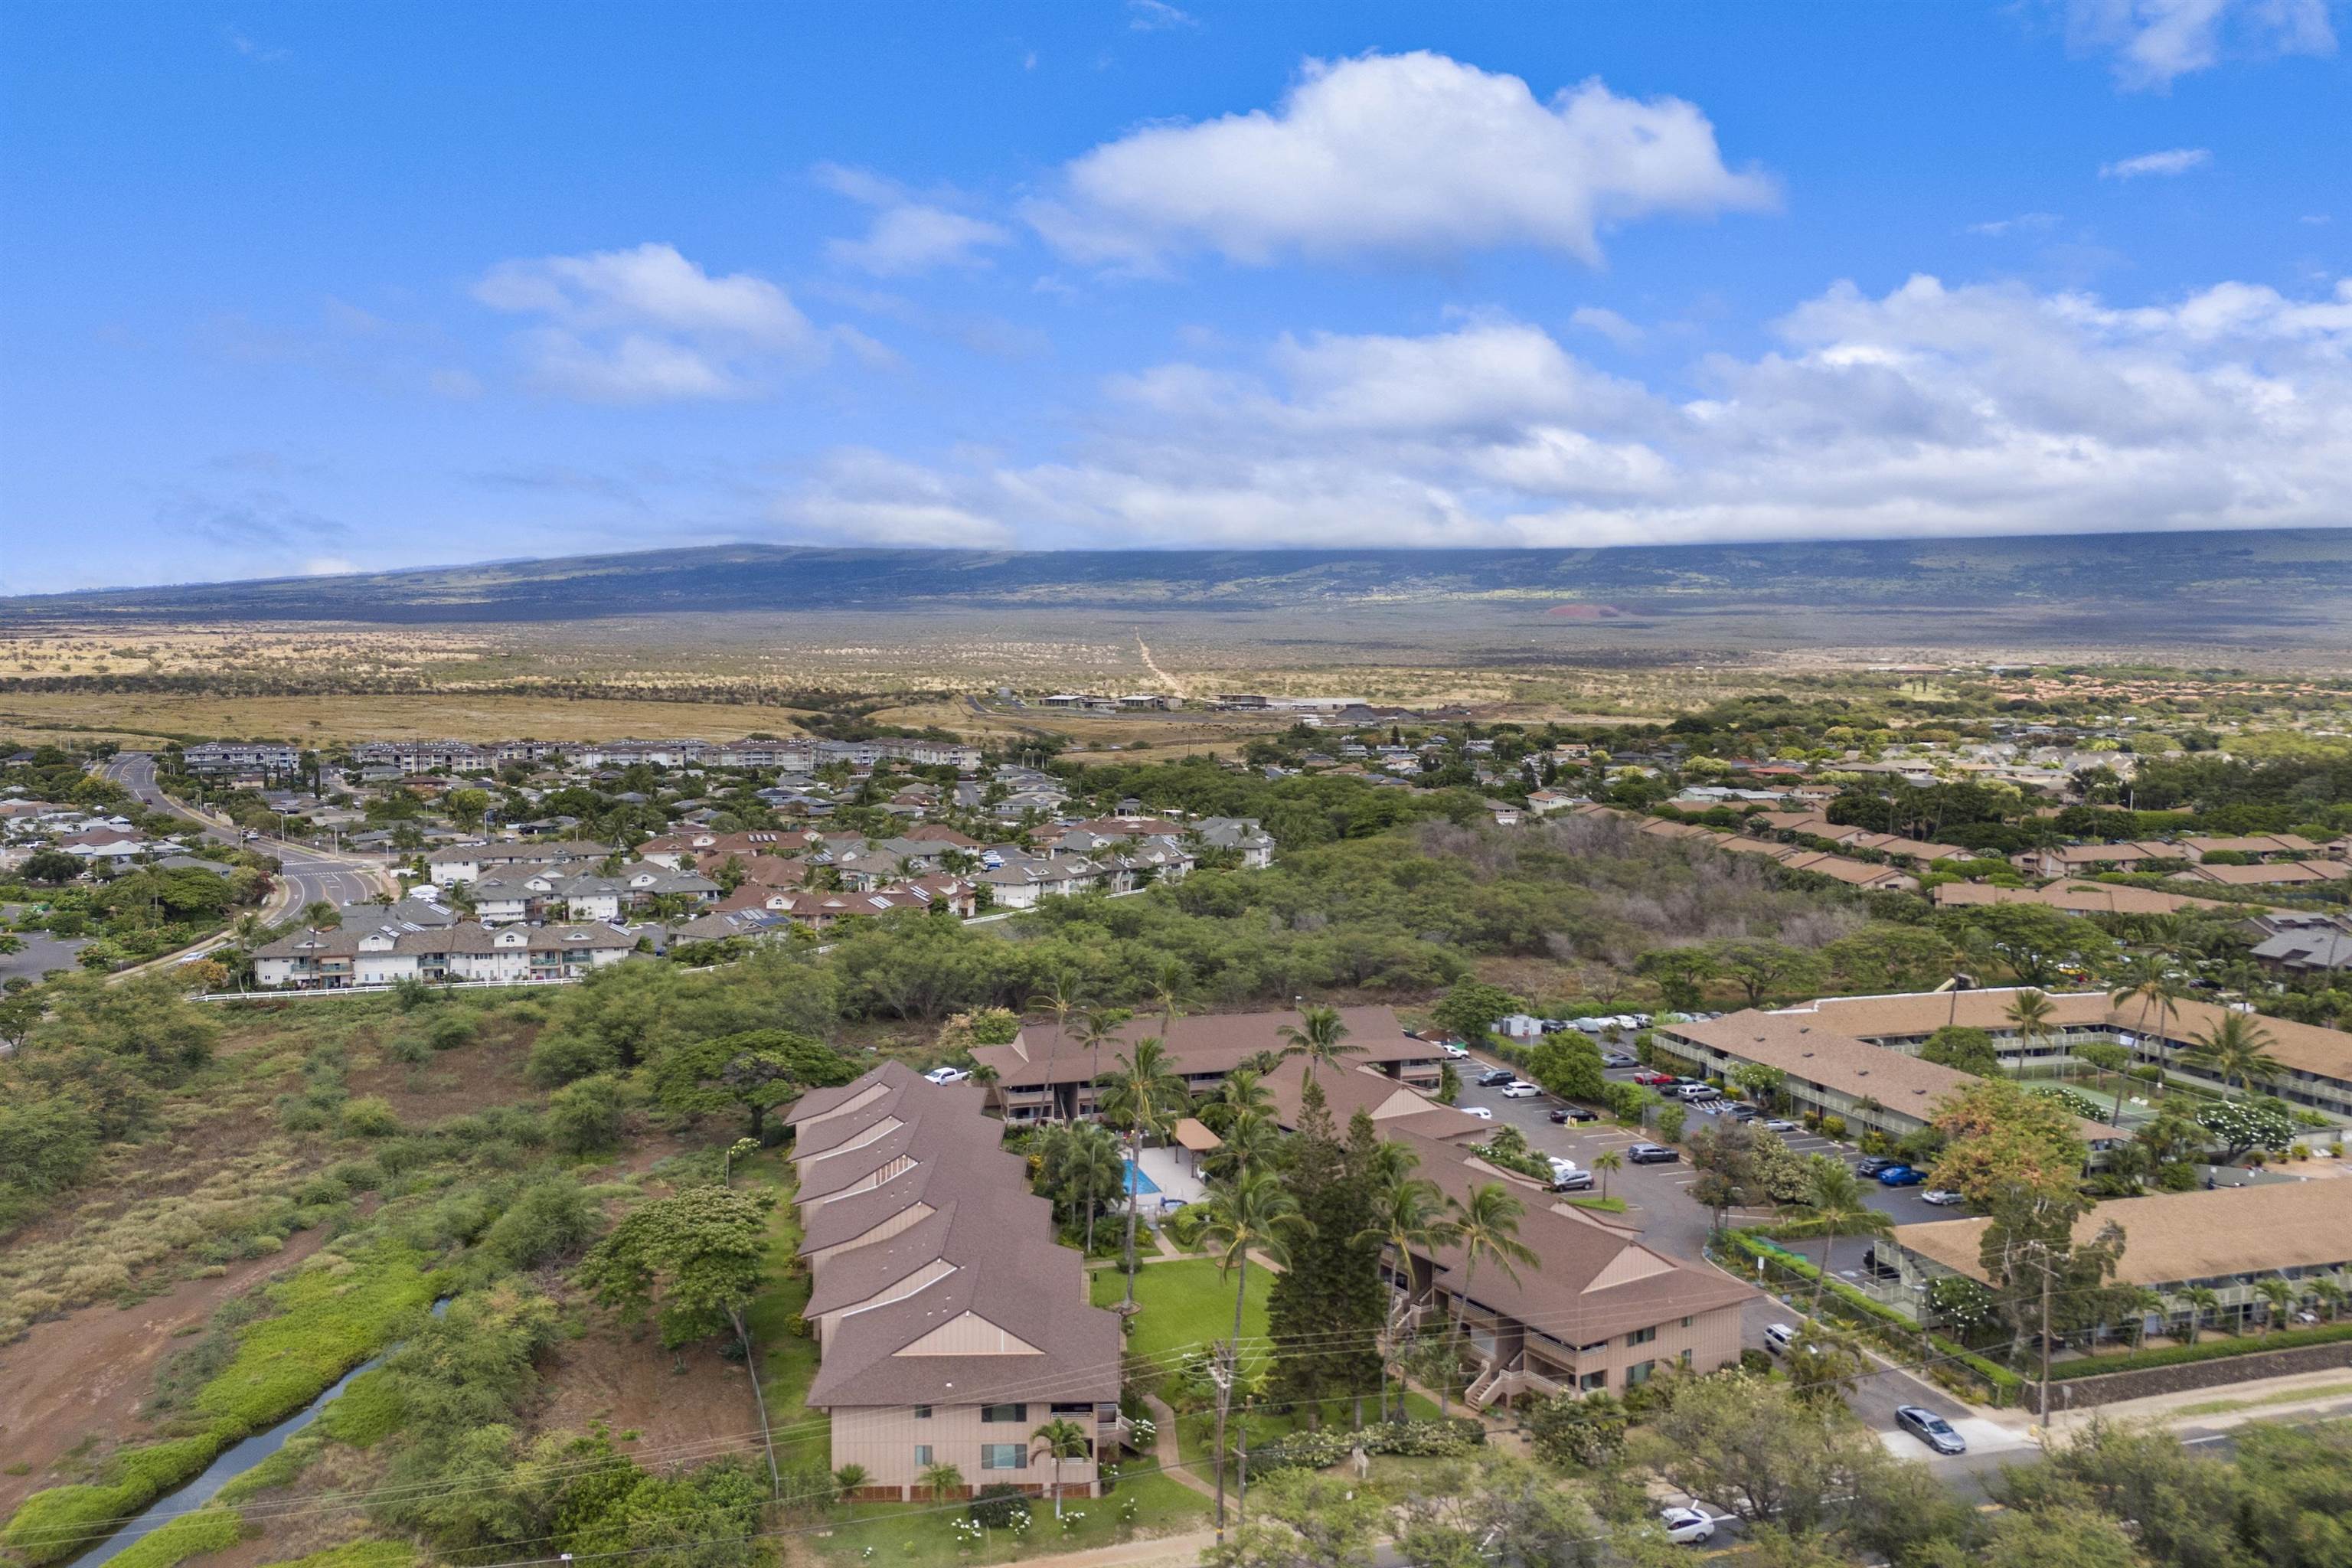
305	875
1658	1200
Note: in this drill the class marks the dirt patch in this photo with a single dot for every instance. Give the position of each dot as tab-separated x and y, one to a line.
685	1406
453	1083
85	1374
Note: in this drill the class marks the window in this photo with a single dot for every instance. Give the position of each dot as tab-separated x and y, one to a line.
922	1413
1686	1322
1592	1380
1083	1408
923	1456
1639	1373
1641	1336
1003	1456
1012	1413
1686	1360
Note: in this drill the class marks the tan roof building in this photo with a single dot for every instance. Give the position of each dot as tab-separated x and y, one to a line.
2075	897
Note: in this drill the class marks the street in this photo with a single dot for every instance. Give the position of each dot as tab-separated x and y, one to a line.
305	875
1658	1200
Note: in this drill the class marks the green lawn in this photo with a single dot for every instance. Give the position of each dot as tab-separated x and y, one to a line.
917	1535
1184	1305
787	1359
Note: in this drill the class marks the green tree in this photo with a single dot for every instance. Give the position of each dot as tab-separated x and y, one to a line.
694	1259
1567	1064
1997	1135
466	807
1145	1096
2108	1058
1060	1439
1963	1049
1409	1218
1836	1205
2240	1126
1486	1230
1326	1307
1468	1010
1255	1214
1759	966
1680	973
2238	1047
754	1071
1320	1035
1605	1164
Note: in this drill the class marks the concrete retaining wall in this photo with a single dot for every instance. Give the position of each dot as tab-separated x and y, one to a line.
2084	1393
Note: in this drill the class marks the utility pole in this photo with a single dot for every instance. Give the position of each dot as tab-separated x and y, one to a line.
1220	1372
2043	1398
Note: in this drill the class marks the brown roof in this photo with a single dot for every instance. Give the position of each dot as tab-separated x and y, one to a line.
2274	873
1374	1092
1207	1043
1592	1279
2075	897
2170	1238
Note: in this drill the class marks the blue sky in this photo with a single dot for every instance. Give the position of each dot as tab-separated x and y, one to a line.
291	289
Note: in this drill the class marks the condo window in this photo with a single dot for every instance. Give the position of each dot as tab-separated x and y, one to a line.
1641	1336
1014	1413
1592	1380
922	1413
1003	1456
1639	1373
923	1454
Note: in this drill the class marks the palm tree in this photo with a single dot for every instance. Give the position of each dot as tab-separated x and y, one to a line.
1145	1093
2028	1013
1168	995
2331	1294
2199	1300
1966	953
2238	1047
1320	1037
1095	1027
1607	1161
1487	1228
2139	1302
2145	979
1240	1096
1837	1207
1247	1143
1408	1217
2277	1296
941	1479
1254	1213
1060	1438
1093	1166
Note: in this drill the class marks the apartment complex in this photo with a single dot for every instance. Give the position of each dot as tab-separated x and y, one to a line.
1048	1073
462	952
949	1325
1596	1311
2227	1241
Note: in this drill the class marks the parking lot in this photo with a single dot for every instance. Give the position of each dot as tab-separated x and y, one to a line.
1658	1201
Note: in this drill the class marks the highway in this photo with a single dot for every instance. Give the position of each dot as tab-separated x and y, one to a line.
305	875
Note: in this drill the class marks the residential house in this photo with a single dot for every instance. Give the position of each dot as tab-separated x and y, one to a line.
463	953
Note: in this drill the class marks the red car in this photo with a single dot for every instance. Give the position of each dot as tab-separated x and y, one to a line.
1653	1079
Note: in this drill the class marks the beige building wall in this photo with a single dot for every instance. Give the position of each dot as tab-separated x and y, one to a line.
887	1443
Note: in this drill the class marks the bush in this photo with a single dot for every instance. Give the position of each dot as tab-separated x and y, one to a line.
371	1117
452	1029
998	1505
585	1117
2204	1349
177	1539
368	1410
550	1219
1832	1126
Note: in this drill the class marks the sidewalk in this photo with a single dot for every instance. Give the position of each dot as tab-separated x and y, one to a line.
2226	1405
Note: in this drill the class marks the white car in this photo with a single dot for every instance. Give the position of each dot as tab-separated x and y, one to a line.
946	1074
1779	1337
1686	1526
1560	1167
1520	1088
1943	1197
1459	1053
1480	1112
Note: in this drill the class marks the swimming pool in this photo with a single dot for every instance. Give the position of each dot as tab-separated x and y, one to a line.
1139	1185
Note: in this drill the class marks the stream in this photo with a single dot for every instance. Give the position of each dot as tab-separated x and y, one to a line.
233	1462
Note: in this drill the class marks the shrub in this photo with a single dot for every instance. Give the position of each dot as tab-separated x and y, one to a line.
408	1049
177	1539
1832	1126
551	1218
371	1117
2204	1349
999	1504
585	1117
452	1029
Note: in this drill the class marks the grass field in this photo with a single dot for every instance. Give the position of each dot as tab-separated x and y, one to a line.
139	718
917	1535
1186	1305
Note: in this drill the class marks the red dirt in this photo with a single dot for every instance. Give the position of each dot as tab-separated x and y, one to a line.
630	1385
85	1374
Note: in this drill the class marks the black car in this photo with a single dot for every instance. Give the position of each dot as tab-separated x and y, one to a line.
1563	1114
1493	1076
1930	1429
1875	1163
1652	1154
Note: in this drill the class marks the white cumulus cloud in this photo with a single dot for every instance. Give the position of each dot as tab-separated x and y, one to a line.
906	236
2154	41
1930	409
2171	161
1413	154
646	325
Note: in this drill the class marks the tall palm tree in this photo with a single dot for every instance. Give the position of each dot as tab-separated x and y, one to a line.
1965	955
1487	1229
1605	1162
1060	1438
1408	1217
1320	1037
2199	1300
1145	1093
1247	1143
2028	1013
2238	1047
2139	1302
1168	988
1254	1213
1094	1027
2143	979
2331	1294
1093	1169
1836	1207
1243	1095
